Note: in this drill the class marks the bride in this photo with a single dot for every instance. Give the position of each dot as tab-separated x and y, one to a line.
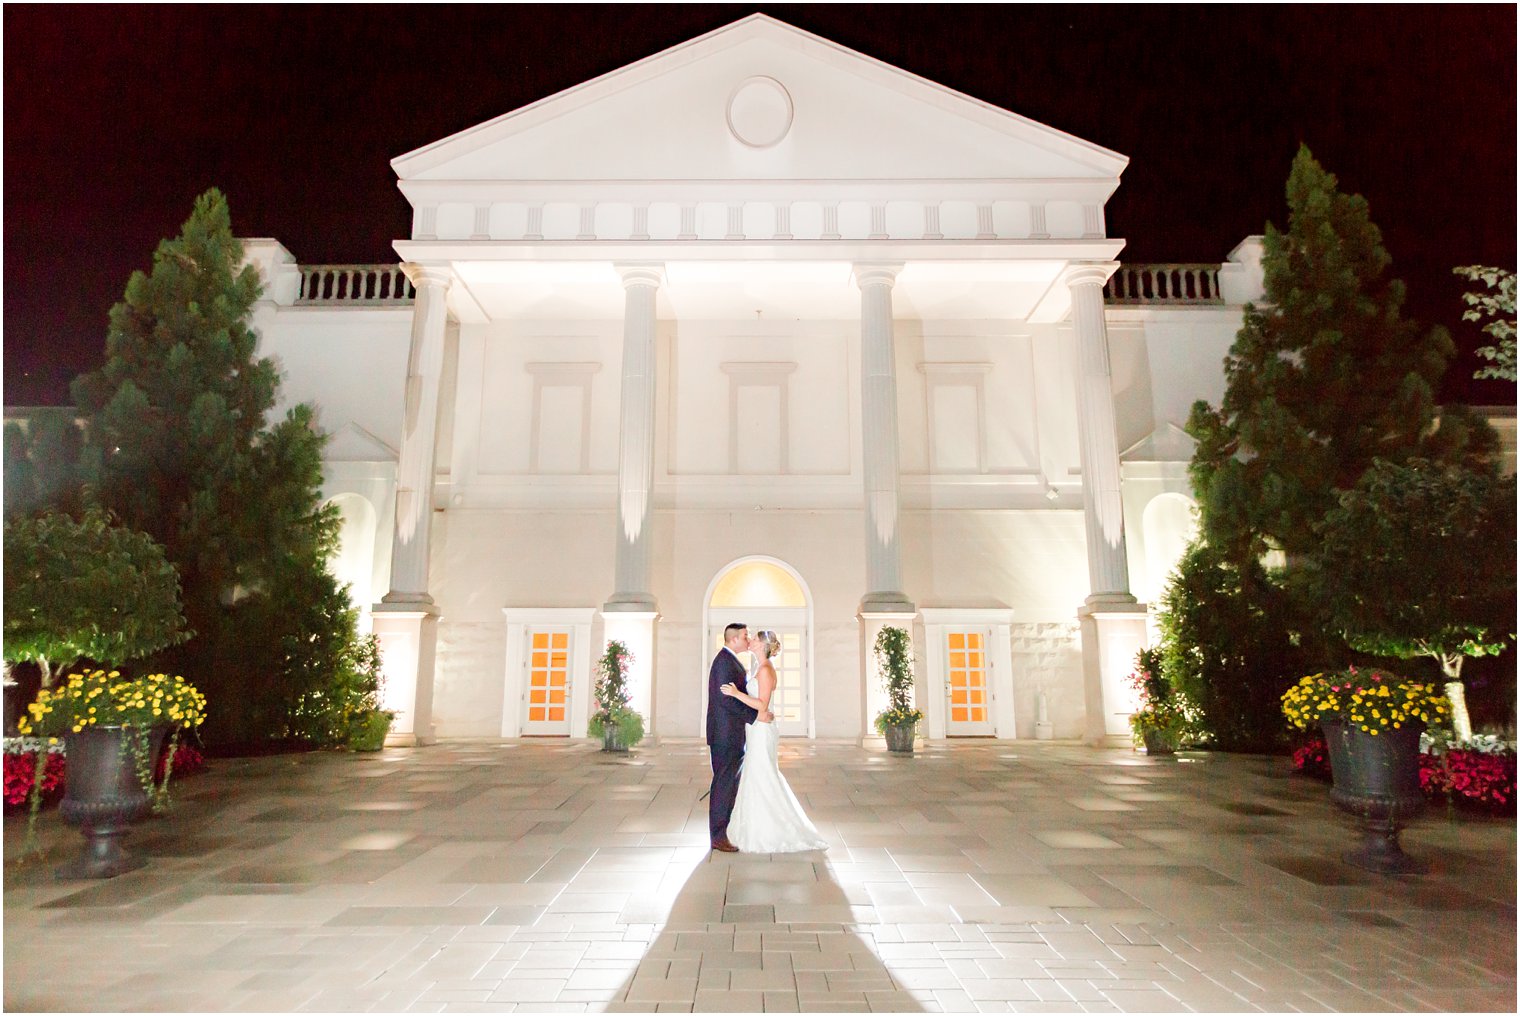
767	818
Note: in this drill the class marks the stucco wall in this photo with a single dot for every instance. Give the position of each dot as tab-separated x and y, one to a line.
1033	562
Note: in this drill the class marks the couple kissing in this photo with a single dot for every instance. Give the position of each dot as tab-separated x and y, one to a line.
751	806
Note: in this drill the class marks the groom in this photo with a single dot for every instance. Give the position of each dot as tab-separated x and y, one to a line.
726	720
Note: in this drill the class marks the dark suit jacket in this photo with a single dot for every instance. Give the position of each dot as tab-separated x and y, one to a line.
726	717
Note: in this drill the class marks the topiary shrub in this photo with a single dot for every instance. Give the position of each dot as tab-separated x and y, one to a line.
1229	644
86	588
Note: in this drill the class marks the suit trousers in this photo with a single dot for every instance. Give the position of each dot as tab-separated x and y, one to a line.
726	760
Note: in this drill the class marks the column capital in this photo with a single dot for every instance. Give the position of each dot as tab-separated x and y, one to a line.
875	273
640	273
1088	273
428	275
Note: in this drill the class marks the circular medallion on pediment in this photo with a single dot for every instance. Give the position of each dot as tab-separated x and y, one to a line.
759	112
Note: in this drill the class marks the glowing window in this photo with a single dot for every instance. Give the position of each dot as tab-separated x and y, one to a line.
758	584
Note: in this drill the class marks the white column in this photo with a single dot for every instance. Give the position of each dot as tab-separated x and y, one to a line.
641	282
1107	566
878	408
406	621
1112	622
414	480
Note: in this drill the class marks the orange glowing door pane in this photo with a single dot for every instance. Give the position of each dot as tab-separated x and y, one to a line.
548	691
966	678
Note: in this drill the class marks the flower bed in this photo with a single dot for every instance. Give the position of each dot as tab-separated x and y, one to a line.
1478	775
21	766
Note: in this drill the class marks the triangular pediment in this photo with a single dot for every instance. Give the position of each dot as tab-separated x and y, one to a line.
352	443
1167	443
759	100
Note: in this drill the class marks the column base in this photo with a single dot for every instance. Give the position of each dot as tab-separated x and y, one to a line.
408	635
406	601
635	629
873	697
641	603
887	603
1113	631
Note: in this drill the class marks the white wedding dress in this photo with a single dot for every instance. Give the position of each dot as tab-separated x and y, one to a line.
767	818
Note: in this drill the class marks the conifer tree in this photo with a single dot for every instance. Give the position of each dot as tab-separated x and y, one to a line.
1324	376
179	445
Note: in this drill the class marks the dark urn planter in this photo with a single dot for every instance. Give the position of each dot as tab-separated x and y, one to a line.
612	738
103	795
1158	743
1377	779
900	738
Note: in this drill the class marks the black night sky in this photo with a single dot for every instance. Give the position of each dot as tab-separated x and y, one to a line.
116	118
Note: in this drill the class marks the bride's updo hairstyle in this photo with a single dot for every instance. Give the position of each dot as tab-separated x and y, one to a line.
772	643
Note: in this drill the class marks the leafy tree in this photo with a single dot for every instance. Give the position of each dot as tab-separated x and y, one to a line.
1231	644
86	589
1323	377
1499	305
1419	560
179	445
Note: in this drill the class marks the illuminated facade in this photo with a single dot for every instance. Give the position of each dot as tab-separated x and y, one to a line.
757	329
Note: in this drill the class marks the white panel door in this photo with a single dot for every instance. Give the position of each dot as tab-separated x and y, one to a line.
789	702
546	683
968	688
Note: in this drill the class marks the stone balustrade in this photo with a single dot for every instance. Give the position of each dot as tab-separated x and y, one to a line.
387	285
1164	284
354	286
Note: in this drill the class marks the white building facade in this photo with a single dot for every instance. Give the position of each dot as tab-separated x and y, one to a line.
757	329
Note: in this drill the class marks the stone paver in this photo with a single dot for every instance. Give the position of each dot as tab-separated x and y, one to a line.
976	877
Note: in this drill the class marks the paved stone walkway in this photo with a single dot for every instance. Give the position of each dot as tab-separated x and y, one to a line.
983	876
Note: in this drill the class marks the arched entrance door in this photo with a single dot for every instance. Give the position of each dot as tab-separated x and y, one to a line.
765	593
354	562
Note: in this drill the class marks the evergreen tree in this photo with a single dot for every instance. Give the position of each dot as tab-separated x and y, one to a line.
1323	377
42	463
1229	646
179	446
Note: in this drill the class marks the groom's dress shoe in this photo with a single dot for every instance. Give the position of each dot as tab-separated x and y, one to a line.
721	843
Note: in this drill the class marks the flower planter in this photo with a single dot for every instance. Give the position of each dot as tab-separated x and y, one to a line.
1377	779
612	739
900	737
370	734
1159	743
104	794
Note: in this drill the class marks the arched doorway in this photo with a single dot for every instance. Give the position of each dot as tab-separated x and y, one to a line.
1169	523
766	593
353	563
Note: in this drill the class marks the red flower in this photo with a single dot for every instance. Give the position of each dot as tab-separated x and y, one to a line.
19	770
